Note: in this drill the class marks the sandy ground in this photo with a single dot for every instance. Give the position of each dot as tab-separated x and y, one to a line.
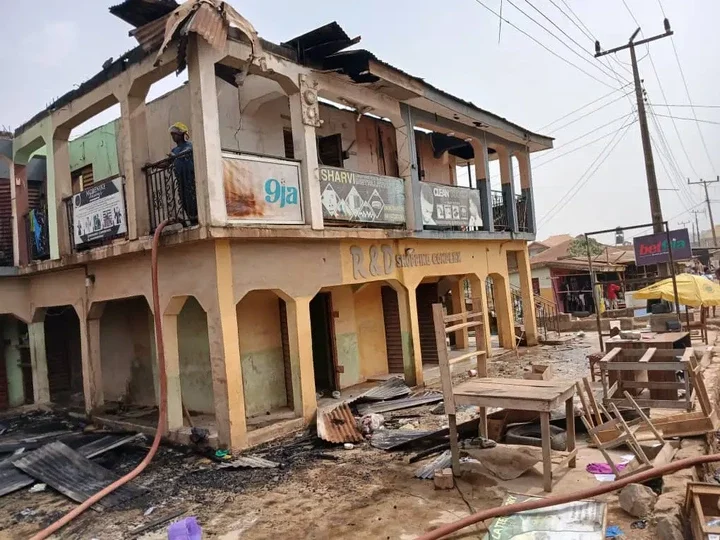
362	493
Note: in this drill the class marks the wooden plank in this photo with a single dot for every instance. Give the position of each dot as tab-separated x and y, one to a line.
519	393
652	403
462	316
496	382
645	419
568	460
586	407
506	403
570	431
649	366
648	354
460	326
612	354
659	353
546	454
654	385
472	354
446	383
454	448
591	400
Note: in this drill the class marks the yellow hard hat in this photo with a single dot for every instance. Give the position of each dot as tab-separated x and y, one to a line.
178	127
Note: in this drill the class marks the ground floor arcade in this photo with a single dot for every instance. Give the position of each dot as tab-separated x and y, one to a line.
255	332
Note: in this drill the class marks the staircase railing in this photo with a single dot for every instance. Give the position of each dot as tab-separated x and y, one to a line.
546	311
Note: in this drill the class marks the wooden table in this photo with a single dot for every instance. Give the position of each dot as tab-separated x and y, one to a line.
525	395
662	341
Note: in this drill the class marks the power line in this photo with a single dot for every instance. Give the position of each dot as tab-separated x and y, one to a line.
587	114
543	45
686	106
583	107
587	175
662	157
689	119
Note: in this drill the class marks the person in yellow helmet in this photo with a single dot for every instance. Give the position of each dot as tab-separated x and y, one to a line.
184	167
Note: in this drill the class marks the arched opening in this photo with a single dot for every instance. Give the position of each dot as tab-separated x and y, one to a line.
16	386
500	312
63	354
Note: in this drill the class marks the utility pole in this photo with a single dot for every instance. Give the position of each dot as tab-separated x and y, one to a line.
697	226
655	209
709	208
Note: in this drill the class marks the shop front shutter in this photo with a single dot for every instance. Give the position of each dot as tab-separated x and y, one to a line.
427	295
393	333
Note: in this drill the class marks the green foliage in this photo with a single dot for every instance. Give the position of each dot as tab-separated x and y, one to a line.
578	247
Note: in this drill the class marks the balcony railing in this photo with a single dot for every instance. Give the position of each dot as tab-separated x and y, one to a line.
171	190
6	241
36	232
522	213
500	217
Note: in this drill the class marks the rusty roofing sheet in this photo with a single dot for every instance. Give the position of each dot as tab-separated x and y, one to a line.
338	425
208	23
150	36
390	389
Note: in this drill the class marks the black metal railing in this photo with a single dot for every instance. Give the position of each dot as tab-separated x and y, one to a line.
36	233
500	217
546	312
6	241
171	190
521	209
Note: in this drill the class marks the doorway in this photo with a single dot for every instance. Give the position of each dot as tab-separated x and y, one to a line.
322	330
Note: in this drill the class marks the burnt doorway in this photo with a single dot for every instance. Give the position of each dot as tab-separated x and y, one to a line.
426	294
64	360
322	331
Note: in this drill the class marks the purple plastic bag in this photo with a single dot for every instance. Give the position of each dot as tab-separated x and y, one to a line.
185	529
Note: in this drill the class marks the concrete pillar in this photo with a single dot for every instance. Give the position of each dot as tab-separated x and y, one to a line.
478	292
205	132
20	207
135	154
504	311
172	363
458	306
408	310
11	339
38	358
58	172
408	168
482	179
304	118
527	189
91	355
528	297
508	187
225	355
301	357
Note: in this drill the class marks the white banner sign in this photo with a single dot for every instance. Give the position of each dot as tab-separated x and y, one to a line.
260	189
99	212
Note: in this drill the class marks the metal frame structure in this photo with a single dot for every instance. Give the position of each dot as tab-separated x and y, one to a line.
594	281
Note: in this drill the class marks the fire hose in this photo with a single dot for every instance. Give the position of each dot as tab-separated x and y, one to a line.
162	406
499	511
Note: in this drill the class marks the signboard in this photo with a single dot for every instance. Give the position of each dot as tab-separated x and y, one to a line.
99	212
449	205
262	190
653	248
367	198
572	521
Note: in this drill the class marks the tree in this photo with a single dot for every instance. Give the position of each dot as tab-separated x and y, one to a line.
578	247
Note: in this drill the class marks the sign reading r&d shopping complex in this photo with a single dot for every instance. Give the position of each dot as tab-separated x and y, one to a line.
653	248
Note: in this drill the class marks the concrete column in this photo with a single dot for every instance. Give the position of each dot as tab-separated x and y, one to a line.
408	168
11	339
135	154
225	355
38	358
478	292
20	207
408	311
504	311
528	297
58	172
458	306
91	355
172	363
303	125
482	179
205	132
508	187
527	189
301	357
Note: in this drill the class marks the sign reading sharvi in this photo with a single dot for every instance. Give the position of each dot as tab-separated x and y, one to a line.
368	198
653	248
99	212
449	205
260	189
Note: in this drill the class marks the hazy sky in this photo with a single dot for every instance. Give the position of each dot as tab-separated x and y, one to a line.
49	46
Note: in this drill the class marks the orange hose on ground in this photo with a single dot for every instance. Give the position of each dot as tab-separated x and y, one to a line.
499	511
162	406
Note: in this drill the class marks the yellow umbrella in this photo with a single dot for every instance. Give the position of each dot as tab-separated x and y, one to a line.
692	291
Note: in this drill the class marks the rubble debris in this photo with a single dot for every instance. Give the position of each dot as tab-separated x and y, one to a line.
393	388
539	372
669	527
11	479
370	423
348	446
427	471
428	452
477	442
637	500
73	475
443	479
423	398
506	462
37	488
30	442
338	425
395	439
639	524
157	521
249	462
613	531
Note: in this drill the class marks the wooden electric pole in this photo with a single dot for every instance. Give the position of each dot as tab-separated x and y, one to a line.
709	208
655	208
697	226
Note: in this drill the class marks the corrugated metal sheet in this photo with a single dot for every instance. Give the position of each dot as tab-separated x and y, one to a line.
427	471
393	332
73	475
250	462
141	12
12	479
208	23
390	389
424	398
390	439
338	425
150	36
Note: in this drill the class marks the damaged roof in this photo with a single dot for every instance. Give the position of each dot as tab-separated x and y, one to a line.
141	12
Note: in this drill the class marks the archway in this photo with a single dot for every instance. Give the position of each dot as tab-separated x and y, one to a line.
500	311
16	386
63	355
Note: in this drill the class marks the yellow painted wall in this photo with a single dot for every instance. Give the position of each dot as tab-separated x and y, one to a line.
258	316
346	338
371	331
